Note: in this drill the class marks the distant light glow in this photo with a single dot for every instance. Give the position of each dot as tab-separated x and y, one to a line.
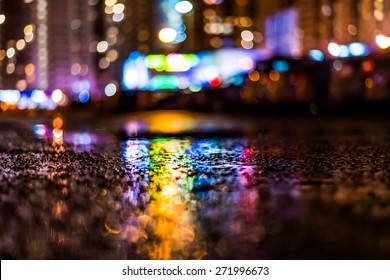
40	130
195	88
84	96
102	46
110	2
28	29
280	65
246	63
82	139
2	19
39	96
110	89
9	96
29	37
11	52
118	8
20	44
254	76
344	51
316	55
213	2
326	10
247	35
382	41
156	61
334	49
369	83
180	62
183	7
165	82
247	45
337	65
274	75
131	78
57	95
118	17
23	102
167	35
357	49
21	84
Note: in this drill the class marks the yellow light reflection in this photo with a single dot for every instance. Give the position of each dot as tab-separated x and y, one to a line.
174	221
58	133
166	228
170	123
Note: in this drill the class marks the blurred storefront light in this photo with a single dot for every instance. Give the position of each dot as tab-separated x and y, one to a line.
357	49
334	49
316	55
167	35
183	7
382	41
110	89
344	51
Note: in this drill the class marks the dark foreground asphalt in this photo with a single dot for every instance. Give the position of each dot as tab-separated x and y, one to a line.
284	189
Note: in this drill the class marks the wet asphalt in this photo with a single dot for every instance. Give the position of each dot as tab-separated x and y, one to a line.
281	189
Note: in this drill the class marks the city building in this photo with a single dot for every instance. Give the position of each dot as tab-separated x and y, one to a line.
48	45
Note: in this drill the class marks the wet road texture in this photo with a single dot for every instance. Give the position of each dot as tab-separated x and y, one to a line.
282	189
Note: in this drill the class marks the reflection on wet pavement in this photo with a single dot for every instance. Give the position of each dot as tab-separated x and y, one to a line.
299	193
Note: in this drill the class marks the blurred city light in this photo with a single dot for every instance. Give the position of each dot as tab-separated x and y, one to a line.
57	96
334	49
382	41
280	65
40	130
39	96
183	7
174	71
357	49
84	96
344	51
110	89
316	55
167	35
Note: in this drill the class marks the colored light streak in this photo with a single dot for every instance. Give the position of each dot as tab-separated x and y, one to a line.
170	184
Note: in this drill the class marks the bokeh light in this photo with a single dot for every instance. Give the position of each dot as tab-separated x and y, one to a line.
167	35
382	41
334	49
110	89
183	7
